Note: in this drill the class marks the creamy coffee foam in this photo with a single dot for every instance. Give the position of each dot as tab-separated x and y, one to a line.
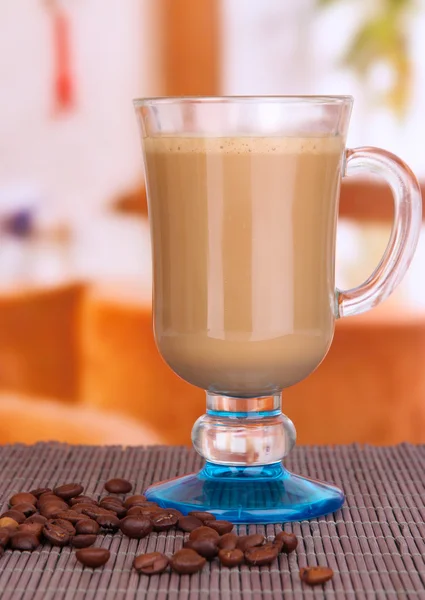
243	234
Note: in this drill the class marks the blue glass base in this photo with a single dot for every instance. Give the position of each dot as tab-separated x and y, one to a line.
265	494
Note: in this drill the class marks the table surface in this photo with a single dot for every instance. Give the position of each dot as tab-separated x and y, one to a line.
375	543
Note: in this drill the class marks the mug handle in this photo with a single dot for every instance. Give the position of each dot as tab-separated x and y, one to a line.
404	234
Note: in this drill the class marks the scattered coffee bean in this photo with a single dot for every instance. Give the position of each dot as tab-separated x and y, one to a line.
13	514
148	512
134	500
118	486
108	522
258	556
116	508
164	521
136	527
286	542
189	523
35	528
83	540
80	508
5	535
69	490
87	527
65	525
71	516
81	499
93	557
250	541
51	511
221	527
26	508
56	535
231	558
173	511
45	495
151	563
36	519
316	575
8	523
206	547
228	541
38	491
187	561
23	540
22	498
204	532
95	511
112	499
202	516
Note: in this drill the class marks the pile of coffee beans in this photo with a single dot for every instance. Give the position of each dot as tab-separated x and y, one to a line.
65	516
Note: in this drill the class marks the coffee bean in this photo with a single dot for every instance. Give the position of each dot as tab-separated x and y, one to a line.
151	563
35	528
5	535
87	527
110	523
36	519
286	542
56	535
65	525
95	511
69	490
206	547
173	511
8	522
164	521
71	516
93	557
316	575
118	509
118	486
38	491
250	541
231	558
22	540
202	516
204	532
133	500
189	523
221	527
79	508
116	499
22	498
228	541
26	508
187	561
261	555
136	527
148	512
13	514
81	499
51	511
83	540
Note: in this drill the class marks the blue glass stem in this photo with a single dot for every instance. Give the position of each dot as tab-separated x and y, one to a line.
244	441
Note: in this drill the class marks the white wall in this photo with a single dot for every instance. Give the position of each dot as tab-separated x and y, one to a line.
278	47
82	160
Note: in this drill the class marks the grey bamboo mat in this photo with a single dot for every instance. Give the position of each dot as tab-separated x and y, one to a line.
375	544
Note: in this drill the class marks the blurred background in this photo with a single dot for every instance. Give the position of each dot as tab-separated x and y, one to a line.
78	361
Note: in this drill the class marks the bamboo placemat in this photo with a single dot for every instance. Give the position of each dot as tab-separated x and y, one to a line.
375	544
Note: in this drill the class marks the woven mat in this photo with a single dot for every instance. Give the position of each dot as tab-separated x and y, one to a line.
374	544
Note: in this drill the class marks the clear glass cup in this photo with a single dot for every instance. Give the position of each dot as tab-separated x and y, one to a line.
243	199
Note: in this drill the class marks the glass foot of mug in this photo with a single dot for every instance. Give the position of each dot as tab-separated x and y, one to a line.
254	494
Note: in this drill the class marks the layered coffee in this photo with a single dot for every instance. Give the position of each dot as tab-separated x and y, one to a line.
243	234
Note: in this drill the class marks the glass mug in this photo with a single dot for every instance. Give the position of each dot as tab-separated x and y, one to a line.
243	199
